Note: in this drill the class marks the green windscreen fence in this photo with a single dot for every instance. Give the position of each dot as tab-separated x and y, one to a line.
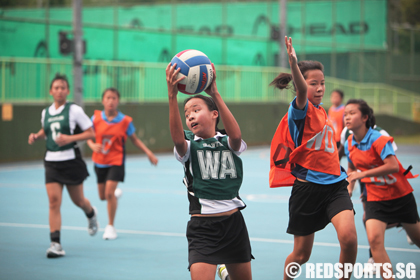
27	80
237	33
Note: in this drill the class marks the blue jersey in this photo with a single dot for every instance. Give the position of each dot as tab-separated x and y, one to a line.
296	122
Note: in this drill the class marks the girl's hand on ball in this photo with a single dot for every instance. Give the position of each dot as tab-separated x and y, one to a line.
171	79
212	89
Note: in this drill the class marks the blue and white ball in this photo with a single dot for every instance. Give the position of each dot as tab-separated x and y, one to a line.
196	67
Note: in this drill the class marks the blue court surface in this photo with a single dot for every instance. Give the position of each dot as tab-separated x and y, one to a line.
151	222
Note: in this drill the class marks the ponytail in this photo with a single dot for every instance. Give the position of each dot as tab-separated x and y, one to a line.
365	110
283	79
371	122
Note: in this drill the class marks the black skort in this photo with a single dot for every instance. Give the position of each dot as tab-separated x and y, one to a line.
218	240
68	172
113	173
400	210
312	206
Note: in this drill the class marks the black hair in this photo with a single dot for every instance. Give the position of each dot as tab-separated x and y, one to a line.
114	90
340	92
61	77
283	79
365	110
210	105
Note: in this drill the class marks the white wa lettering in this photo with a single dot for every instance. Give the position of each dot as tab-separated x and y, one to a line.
210	164
325	135
228	165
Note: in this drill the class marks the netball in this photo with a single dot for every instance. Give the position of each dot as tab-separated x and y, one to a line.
197	69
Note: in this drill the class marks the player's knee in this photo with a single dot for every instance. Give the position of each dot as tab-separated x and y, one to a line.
302	258
54	203
109	195
375	241
349	239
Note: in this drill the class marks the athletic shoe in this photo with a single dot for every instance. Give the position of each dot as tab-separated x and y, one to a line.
55	250
409	240
370	267
110	233
93	224
222	272
118	193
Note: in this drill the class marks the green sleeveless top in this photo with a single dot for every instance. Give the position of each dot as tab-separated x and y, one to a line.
53	125
217	171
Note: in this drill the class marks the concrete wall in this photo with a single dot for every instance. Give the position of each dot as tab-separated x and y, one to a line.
258	123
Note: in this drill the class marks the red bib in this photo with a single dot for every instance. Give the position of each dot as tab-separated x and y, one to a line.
113	137
336	117
317	152
382	188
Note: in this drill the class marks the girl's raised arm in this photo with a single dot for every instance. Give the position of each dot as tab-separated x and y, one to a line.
175	122
229	122
298	79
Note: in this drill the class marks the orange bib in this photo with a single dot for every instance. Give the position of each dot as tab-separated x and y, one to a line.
317	152
391	186
336	117
113	137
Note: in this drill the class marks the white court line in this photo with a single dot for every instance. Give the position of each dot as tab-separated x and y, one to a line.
4	168
257	198
85	229
256	239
